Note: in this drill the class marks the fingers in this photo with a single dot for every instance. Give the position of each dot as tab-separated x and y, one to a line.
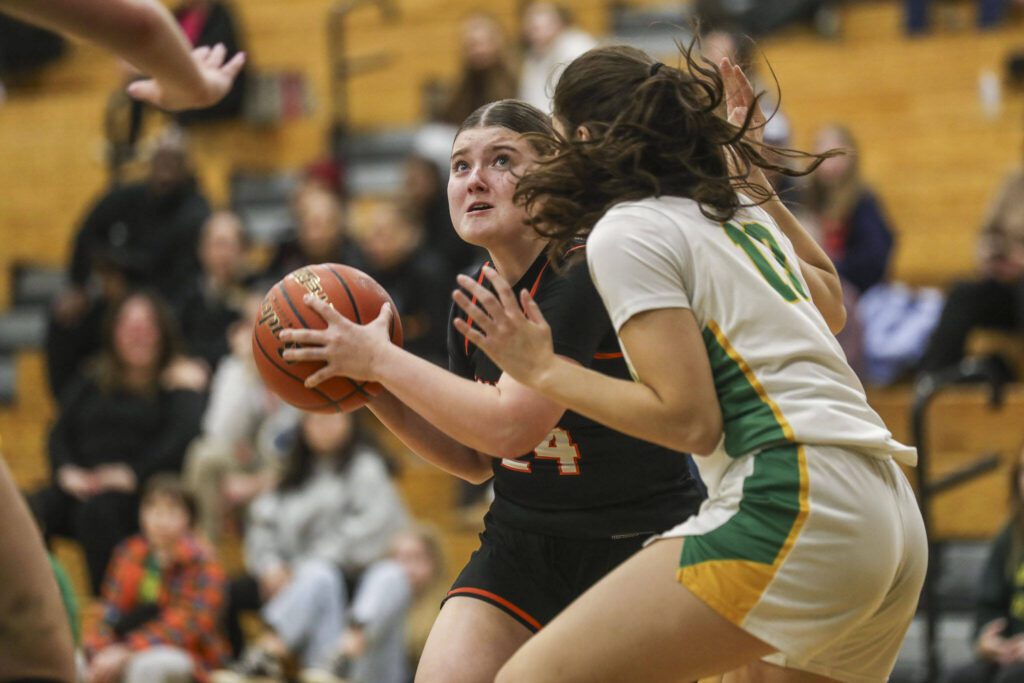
532	310
201	53
305	353
216	57
304	337
318	378
235	65
325	310
470	309
471	333
501	286
485	299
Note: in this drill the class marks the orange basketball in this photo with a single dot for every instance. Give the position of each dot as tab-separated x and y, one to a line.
351	292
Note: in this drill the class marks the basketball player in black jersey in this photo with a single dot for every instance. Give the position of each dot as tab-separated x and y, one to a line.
573	499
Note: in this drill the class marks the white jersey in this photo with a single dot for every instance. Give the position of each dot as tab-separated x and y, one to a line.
779	373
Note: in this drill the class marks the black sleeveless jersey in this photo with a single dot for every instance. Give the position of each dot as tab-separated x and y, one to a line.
584	480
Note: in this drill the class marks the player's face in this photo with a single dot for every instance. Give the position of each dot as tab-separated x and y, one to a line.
485	169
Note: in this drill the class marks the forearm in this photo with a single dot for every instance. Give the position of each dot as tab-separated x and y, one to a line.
141	31
36	637
632	408
826	289
475	414
428	442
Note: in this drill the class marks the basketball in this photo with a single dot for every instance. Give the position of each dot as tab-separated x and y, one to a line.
351	292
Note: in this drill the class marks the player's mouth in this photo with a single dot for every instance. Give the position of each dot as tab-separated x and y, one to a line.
477	207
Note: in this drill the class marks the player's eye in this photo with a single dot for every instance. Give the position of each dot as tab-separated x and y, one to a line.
503	161
459	165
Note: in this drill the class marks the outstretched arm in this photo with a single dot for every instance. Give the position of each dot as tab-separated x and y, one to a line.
815	265
436	413
145	34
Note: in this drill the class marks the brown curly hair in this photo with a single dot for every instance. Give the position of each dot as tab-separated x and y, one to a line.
654	130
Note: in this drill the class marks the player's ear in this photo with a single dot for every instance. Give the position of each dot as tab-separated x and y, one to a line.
583	133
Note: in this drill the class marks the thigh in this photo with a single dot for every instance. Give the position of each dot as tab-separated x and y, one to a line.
516	572
637	624
470	640
763	672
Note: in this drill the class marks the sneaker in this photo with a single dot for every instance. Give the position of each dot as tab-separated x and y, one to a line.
339	672
256	665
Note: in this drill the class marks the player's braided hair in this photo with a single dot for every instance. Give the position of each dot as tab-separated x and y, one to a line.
653	131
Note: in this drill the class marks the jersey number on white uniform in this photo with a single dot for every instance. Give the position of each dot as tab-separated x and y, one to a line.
557	445
749	238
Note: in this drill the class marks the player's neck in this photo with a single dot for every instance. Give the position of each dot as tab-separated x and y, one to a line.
512	262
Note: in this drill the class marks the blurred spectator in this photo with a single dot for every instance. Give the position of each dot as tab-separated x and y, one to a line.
246	431
419	551
24	48
990	13
150	229
550	43
321	235
996	299
209	23
487	74
854	230
137	235
999	627
161	599
426	191
333	513
413	275
127	416
759	18
216	295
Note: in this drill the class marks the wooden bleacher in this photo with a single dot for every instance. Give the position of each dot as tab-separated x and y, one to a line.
927	147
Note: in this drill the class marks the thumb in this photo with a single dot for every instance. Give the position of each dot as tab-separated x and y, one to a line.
145	90
386	314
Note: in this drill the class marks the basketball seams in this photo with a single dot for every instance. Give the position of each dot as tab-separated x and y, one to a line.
348	292
300	380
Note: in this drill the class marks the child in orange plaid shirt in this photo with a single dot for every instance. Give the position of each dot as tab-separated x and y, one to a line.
161	599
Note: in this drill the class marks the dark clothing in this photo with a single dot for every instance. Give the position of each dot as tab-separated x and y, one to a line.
205	317
1001	587
862	245
289	256
218	25
68	346
151	237
533	577
971	305
243	596
982	671
419	287
99	524
1000	596
586	480
149	433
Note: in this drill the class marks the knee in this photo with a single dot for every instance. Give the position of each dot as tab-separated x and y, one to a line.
319	575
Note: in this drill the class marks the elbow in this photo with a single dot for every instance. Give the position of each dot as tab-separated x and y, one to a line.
836	319
700	436
515	441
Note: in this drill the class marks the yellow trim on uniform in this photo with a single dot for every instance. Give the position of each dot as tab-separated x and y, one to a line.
733	587
749	374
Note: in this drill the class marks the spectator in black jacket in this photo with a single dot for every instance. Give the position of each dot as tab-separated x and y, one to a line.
137	235
129	415
999	632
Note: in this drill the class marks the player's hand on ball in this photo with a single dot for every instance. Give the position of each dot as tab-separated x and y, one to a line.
347	349
517	339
